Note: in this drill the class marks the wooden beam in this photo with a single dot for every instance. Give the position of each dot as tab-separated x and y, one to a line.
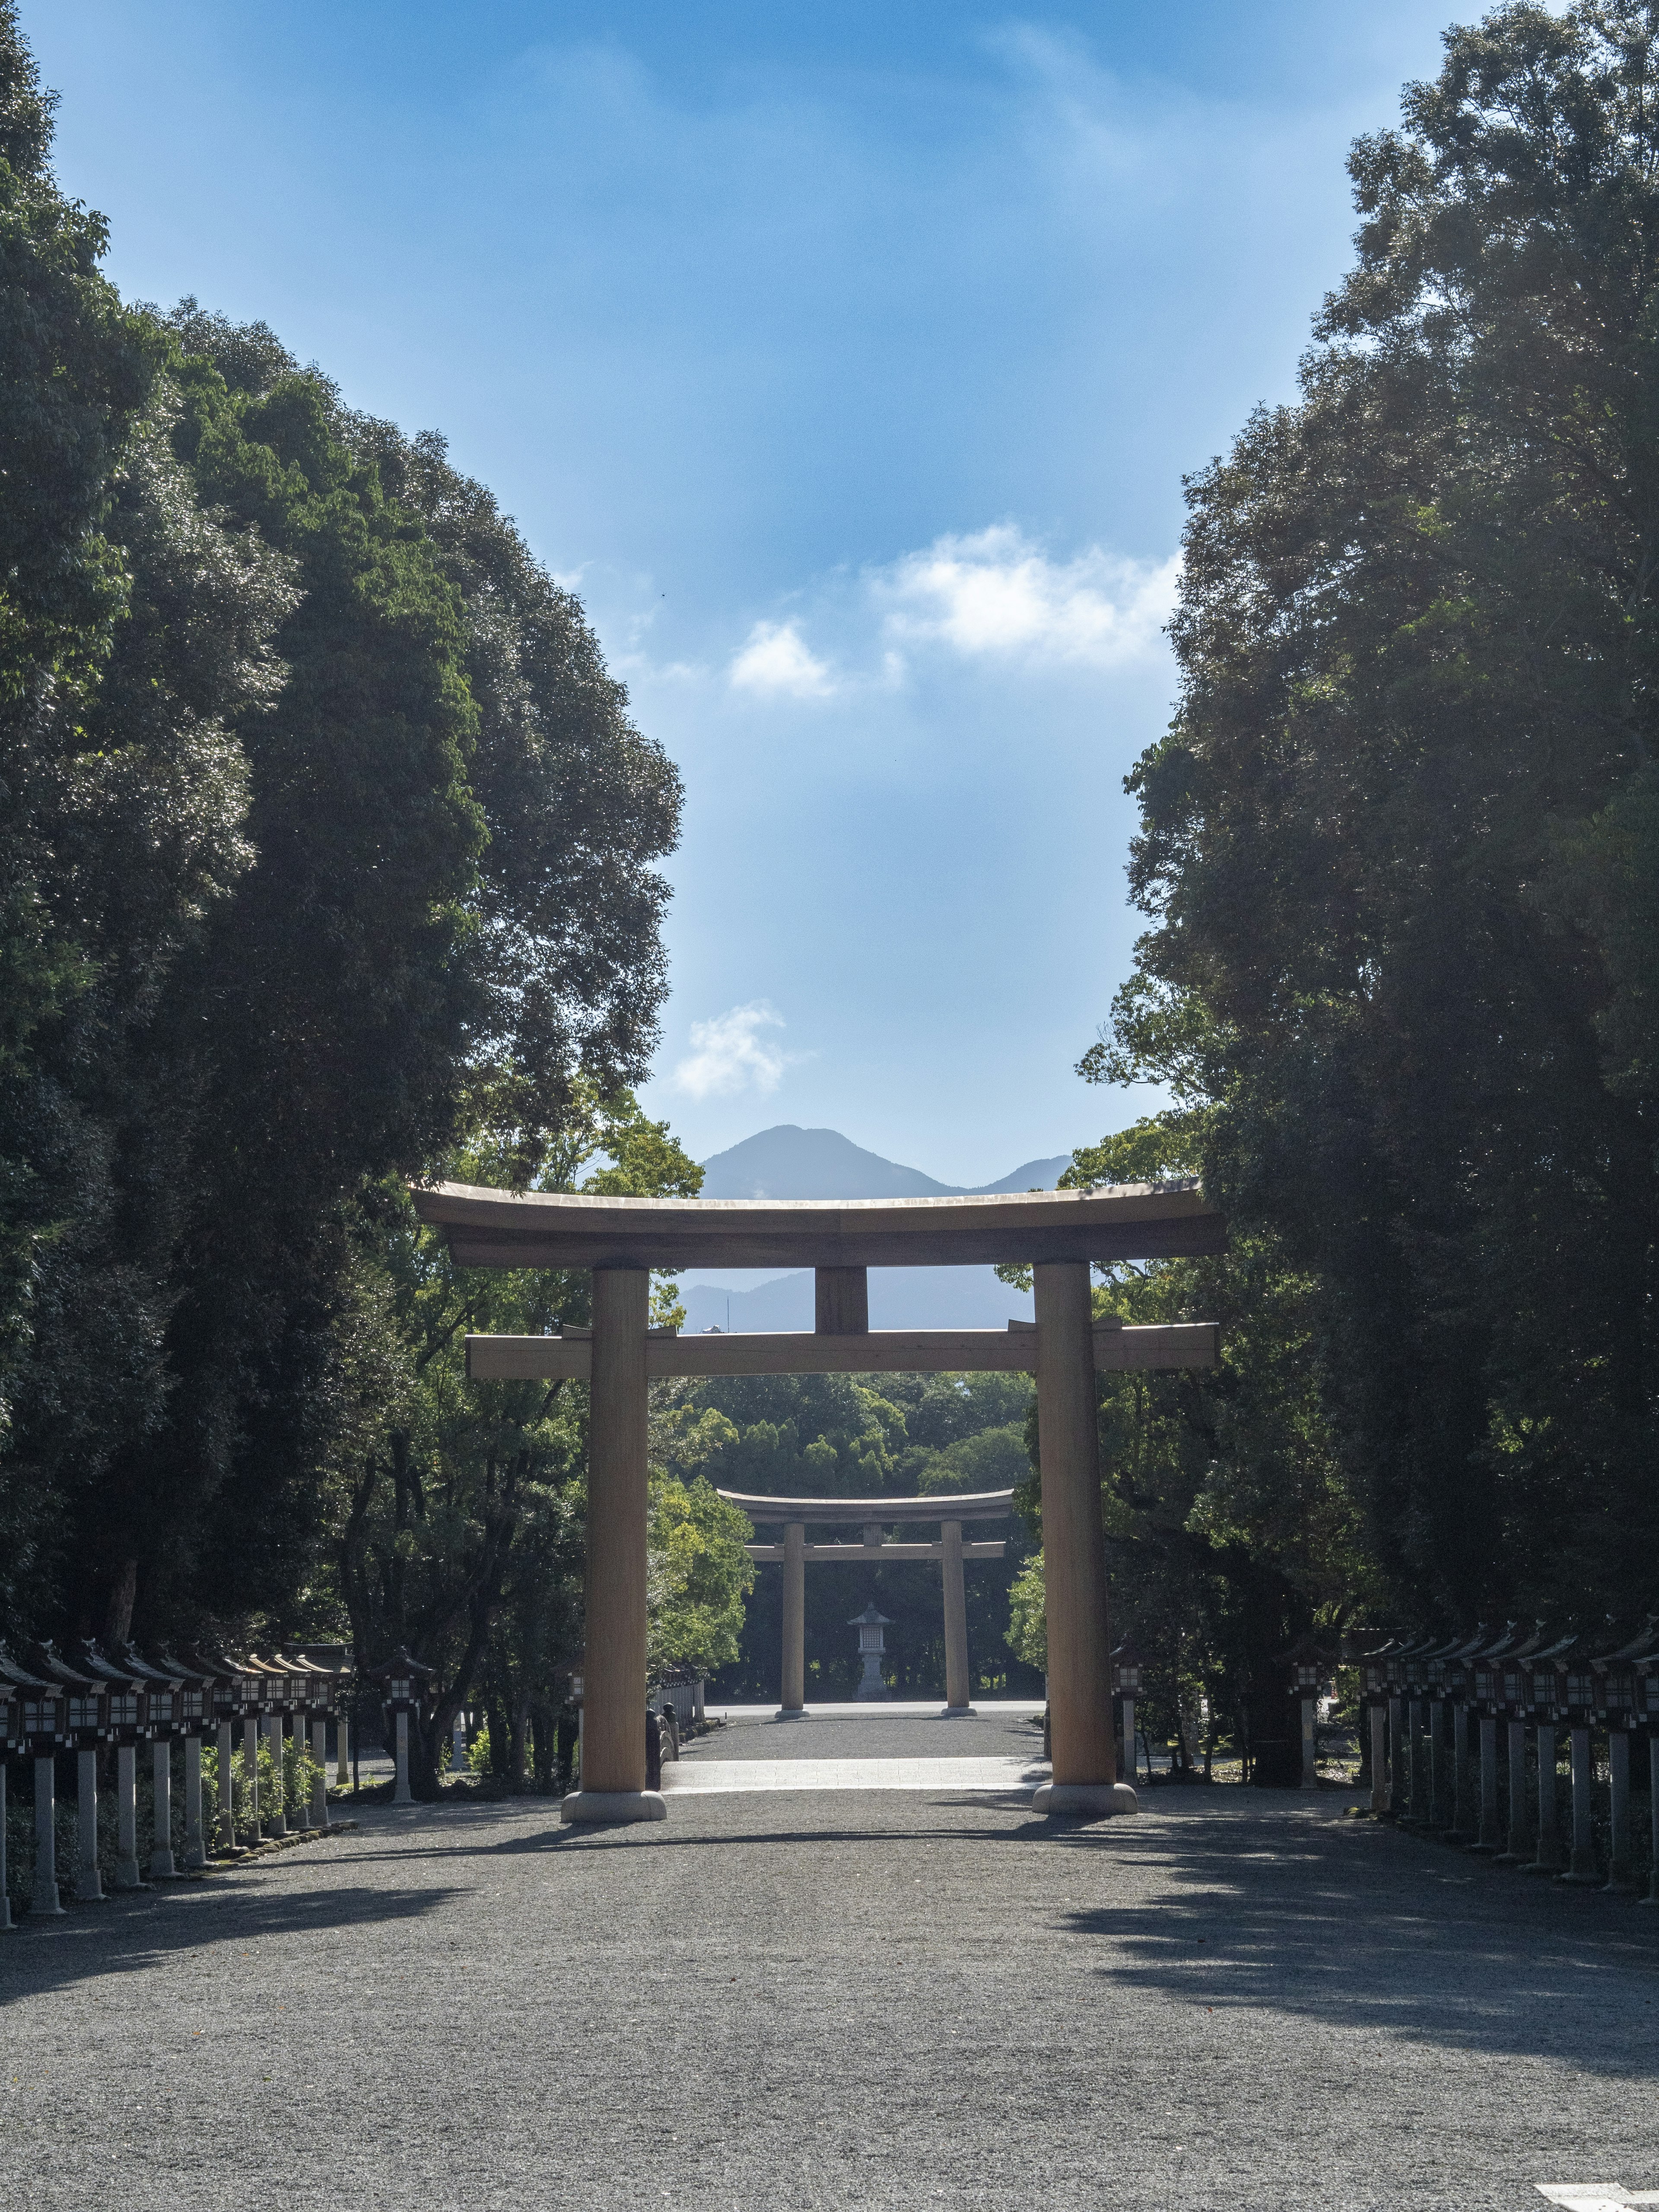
881	1352
840	1301
543	1228
845	1555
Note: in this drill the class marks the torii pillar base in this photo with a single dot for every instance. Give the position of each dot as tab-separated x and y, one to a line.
791	1713
614	1807
1093	1800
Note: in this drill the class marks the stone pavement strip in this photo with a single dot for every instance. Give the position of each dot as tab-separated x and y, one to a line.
813	1998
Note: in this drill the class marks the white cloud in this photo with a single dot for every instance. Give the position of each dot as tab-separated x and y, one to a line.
776	659
998	594
729	1054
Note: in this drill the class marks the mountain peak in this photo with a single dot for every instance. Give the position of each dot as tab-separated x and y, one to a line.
789	1162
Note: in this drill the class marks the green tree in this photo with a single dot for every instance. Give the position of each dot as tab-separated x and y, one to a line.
1398	847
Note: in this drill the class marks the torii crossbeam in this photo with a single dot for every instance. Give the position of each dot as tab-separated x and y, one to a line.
1057	1233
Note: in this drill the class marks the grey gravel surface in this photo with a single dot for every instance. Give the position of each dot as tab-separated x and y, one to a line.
1235	2000
987	1734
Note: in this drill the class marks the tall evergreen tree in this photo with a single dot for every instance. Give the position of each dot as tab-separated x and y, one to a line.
1400	846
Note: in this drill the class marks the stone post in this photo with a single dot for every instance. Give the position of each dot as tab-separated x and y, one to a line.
699	1700
958	1689
1652	1897
1379	1757
195	1837
342	1750
319	1781
1399	1800
250	1757
45	1900
613	1706
401	1793
1548	1858
1434	1756
1074	1552
88	1883
276	1821
161	1867
1518	1850
792	1693
1580	1869
127	1874
1420	1767
1462	1828
297	1738
227	1793
1621	1874
1487	1838
5	1898
1131	1753
1309	1744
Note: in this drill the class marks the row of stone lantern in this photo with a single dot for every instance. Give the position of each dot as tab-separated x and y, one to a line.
1435	1706
86	1698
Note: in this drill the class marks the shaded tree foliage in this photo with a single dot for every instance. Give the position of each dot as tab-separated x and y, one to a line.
1398	845
329	849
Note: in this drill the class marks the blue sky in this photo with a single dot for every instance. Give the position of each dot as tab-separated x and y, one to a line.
846	361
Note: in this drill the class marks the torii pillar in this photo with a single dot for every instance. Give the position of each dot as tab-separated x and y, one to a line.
1073	1551
613	1713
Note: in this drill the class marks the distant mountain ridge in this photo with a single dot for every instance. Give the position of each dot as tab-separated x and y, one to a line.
789	1162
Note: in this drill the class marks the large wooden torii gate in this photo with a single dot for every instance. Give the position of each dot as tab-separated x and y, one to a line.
1058	1233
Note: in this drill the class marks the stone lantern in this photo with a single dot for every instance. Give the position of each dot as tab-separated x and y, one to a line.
86	1724
1514	1700
36	1728
1546	1701
872	1645
1645	1667
403	1686
1373	1688
1619	1709
123	1707
161	1718
1125	1683
1581	1698
192	1709
1487	1672
1308	1666
18	1690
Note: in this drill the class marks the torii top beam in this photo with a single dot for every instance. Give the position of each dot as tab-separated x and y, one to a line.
547	1229
867	1512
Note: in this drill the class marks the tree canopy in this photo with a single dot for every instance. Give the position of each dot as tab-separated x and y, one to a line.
1398	849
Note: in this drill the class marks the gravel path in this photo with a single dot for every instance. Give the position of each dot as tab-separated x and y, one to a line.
1236	2000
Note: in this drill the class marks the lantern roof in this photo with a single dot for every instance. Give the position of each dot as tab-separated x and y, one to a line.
190	1668
870	1618
144	1670
52	1664
1632	1652
19	1677
103	1667
1555	1654
1502	1646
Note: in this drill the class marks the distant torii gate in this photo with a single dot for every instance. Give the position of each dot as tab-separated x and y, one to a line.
1057	1233
871	1515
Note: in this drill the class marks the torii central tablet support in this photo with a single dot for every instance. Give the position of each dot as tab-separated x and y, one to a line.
1059	1233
